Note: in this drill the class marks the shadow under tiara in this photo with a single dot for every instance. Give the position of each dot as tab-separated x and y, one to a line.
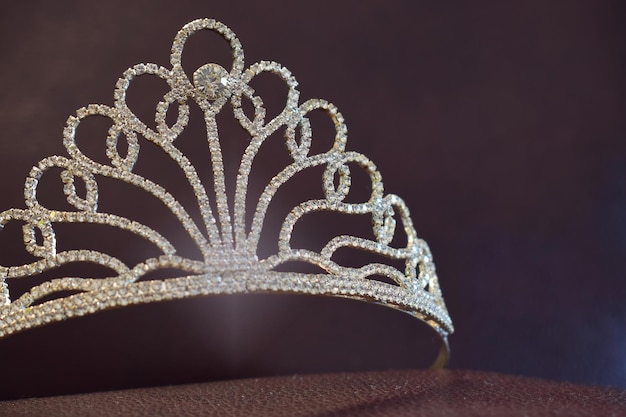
212	338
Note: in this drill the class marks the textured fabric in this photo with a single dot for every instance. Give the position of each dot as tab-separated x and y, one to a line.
397	393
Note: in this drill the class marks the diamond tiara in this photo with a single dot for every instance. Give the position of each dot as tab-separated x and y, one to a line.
228	244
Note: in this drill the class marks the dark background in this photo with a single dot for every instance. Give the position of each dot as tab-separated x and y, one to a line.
500	124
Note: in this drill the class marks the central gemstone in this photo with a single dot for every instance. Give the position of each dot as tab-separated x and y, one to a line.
211	80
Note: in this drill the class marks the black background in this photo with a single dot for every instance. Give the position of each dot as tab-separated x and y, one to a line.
501	124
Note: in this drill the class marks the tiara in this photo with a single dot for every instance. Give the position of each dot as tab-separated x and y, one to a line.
227	231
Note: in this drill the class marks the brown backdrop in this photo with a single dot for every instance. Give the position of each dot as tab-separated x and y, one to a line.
500	124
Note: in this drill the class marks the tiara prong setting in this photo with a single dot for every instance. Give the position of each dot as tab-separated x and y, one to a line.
227	239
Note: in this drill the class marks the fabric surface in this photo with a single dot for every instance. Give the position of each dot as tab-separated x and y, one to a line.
393	393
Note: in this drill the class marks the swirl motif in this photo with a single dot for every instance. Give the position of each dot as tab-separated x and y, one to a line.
228	245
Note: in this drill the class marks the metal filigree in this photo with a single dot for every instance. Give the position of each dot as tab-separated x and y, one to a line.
230	263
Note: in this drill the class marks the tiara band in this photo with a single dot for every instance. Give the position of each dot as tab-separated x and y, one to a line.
228	244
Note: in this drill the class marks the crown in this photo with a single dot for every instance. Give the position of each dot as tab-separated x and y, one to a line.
227	239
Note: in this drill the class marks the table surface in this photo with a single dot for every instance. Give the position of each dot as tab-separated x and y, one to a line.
390	393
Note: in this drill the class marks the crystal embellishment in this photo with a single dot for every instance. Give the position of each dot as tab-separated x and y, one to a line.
211	80
227	240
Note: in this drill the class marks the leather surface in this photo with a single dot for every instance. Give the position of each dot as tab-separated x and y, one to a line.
393	393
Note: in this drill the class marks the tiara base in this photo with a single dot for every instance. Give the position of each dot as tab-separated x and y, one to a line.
422	306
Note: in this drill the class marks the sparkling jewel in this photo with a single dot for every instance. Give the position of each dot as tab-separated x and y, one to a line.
211	80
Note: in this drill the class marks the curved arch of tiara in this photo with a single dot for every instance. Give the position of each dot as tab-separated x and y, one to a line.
229	252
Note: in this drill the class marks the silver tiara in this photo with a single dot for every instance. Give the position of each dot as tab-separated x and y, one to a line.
229	261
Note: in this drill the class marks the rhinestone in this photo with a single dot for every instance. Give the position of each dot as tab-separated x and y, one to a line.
211	80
